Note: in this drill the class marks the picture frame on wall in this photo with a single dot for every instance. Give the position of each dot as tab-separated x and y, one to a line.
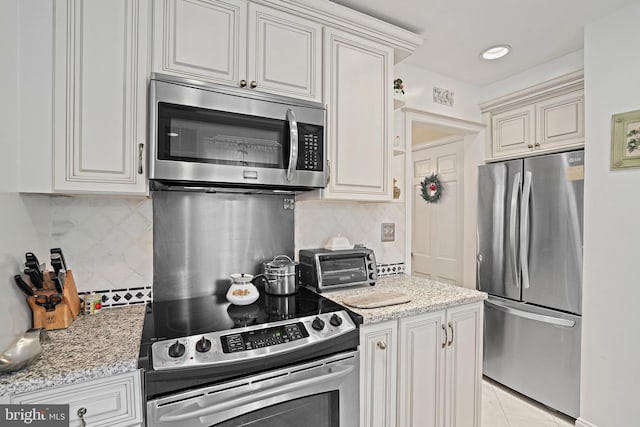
625	140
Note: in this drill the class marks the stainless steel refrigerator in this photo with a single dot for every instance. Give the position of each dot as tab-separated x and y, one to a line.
529	260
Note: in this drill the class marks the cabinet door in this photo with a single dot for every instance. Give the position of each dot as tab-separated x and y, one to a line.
561	121
421	370
513	131
285	53
378	351
359	92
464	366
201	39
109	401
101	67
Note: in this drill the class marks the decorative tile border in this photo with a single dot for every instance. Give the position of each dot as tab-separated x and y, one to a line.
120	297
390	269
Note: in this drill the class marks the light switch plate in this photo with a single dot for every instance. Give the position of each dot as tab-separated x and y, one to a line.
388	231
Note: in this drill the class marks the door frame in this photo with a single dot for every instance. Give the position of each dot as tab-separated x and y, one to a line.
473	134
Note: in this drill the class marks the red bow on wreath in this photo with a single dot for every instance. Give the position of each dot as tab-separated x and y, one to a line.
431	188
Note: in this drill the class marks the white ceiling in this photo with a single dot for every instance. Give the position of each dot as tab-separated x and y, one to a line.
456	31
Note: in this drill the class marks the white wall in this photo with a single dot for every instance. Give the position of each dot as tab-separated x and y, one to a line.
419	85
22	227
549	70
611	323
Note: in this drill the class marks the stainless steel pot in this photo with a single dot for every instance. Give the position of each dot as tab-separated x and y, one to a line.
282	276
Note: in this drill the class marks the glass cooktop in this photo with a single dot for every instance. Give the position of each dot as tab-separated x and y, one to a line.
186	317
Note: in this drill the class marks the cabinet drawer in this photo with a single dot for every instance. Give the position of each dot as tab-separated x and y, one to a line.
112	401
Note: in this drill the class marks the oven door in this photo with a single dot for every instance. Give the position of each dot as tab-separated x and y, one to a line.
209	135
323	393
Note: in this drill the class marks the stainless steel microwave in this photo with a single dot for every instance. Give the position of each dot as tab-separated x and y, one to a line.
324	269
212	135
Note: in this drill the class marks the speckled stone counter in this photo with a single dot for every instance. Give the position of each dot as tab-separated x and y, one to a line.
91	347
426	295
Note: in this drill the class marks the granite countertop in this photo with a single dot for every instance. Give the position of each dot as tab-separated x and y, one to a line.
426	295
92	347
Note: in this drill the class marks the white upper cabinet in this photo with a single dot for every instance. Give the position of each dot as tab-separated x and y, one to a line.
359	94
542	119
100	86
201	39
239	44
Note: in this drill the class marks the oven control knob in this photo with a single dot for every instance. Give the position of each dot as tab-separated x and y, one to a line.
372	276
203	345
370	256
176	349
317	324
335	320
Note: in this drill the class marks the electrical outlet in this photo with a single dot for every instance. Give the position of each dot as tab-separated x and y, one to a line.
388	231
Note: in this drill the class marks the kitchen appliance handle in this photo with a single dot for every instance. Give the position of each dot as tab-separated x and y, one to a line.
512	228
281	390
524	229
532	316
293	143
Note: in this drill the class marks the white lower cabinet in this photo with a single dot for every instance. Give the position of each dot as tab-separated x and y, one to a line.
378	362
110	401
438	360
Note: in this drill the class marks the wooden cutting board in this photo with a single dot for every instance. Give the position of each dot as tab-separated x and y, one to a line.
376	299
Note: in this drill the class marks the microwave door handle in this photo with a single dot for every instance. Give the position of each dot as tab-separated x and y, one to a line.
293	144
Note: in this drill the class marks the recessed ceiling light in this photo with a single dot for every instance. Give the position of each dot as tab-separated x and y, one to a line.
495	52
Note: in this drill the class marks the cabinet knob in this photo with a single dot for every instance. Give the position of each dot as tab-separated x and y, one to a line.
243	83
530	146
381	345
81	413
253	84
537	144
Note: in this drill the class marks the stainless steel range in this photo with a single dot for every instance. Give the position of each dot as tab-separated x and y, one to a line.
270	363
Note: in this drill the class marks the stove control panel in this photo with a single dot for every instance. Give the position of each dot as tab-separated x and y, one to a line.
236	345
266	337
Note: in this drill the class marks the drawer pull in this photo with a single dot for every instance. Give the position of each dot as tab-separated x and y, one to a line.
451	339
81	413
381	345
444	335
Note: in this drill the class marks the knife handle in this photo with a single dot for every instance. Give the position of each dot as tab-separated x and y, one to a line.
56	263
34	266
57	284
24	286
59	252
35	277
31	257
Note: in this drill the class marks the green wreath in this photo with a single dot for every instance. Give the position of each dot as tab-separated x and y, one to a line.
431	188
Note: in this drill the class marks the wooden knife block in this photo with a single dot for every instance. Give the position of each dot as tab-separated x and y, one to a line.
64	313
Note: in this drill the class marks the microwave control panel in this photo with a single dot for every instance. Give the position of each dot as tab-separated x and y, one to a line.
310	148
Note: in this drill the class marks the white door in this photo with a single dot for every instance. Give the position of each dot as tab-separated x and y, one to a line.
437	233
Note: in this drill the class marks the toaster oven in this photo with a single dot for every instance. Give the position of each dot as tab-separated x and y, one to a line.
324	269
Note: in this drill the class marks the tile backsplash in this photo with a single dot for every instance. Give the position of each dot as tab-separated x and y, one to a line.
316	221
108	242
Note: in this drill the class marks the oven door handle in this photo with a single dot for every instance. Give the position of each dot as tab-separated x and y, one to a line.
293	144
214	407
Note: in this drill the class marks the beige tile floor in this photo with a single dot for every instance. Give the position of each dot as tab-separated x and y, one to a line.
502	407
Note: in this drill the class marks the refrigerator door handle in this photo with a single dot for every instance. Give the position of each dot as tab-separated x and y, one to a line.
524	228
512	228
532	316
